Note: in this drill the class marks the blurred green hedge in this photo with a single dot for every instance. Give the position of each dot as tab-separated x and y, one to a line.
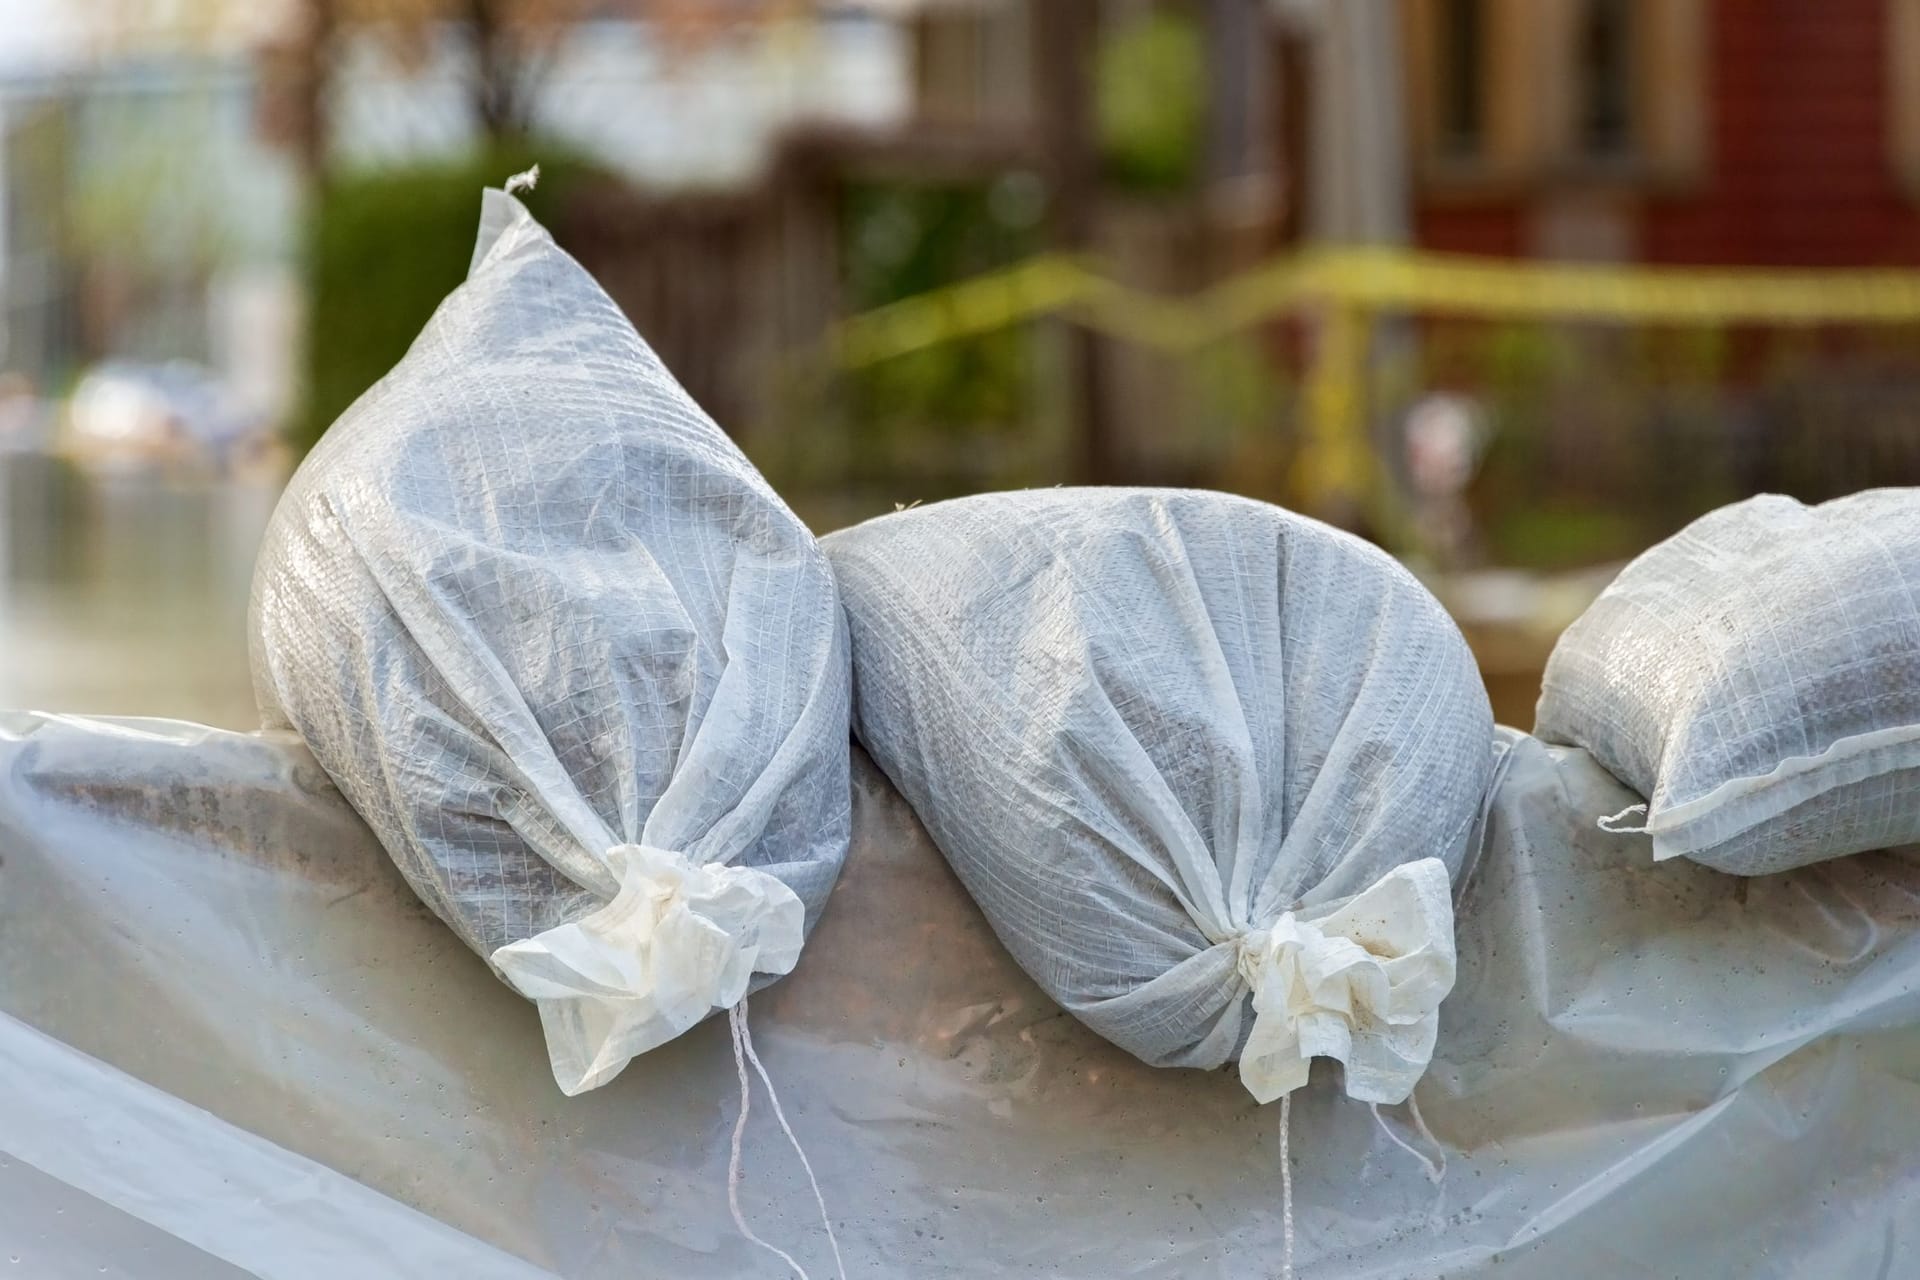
1150	103
902	239
384	247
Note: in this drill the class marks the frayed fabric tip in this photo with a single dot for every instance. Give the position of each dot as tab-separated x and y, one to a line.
1388	952
1615	824
523	181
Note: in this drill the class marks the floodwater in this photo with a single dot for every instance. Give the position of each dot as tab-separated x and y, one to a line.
126	594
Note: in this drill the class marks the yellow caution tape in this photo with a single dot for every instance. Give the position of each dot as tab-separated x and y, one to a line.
1648	295
1377	280
1040	286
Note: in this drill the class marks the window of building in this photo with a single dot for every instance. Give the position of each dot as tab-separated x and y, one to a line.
1506	94
1903	87
1604	53
1462	77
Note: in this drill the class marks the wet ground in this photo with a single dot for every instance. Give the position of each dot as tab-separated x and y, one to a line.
126	594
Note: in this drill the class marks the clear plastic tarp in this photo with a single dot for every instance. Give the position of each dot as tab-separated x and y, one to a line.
233	1034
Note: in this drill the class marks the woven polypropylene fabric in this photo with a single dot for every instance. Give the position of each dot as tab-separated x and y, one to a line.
1757	678
526	602
1142	724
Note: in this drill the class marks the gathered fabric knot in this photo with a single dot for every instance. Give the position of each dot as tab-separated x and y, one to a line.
679	940
1360	980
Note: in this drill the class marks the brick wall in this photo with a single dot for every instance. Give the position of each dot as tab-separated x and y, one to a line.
1797	171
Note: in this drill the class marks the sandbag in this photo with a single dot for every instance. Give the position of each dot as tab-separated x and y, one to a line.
1207	766
1756	678
573	661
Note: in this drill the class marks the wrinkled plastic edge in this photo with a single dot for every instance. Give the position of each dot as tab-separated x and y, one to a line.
221	1189
1505	741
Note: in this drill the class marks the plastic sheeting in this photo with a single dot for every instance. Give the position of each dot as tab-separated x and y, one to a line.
1644	1069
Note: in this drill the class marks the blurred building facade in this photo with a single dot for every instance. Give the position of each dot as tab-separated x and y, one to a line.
1765	134
152	209
1739	132
780	165
1750	132
144	220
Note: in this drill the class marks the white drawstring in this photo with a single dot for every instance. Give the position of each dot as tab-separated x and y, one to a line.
743	1053
1434	1171
746	1038
1286	1189
736	1023
1413	1106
